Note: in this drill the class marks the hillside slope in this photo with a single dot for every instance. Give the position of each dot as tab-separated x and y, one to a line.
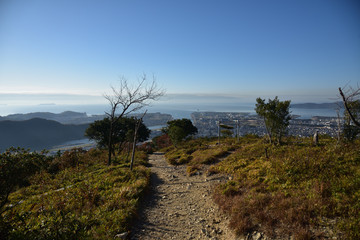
37	134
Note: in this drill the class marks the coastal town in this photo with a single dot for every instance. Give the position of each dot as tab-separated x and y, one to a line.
242	124
238	123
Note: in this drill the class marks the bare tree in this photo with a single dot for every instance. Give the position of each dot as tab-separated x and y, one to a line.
349	96
127	99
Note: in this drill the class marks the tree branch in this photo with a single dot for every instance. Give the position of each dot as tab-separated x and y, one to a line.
130	99
345	101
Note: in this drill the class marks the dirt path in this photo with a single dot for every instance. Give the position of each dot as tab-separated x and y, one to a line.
179	207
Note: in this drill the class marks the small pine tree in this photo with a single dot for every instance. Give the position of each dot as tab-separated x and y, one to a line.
276	115
179	129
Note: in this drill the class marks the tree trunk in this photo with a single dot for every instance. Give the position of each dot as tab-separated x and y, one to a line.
348	109
268	132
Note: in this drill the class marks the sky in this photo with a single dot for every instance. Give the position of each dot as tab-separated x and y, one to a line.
73	51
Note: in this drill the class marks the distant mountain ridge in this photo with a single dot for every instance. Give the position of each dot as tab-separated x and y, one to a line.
70	117
37	133
43	130
67	117
333	105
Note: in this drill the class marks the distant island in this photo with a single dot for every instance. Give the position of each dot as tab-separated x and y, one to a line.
67	117
333	105
70	117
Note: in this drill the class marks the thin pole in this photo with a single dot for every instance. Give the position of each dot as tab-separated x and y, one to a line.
137	125
237	130
218	122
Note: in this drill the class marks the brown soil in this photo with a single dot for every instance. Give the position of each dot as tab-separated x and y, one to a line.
180	207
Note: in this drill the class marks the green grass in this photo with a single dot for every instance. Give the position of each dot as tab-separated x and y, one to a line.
295	189
87	200
194	152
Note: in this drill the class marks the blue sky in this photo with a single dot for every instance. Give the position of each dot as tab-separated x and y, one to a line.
299	50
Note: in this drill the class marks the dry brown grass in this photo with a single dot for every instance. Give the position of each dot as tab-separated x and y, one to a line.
293	191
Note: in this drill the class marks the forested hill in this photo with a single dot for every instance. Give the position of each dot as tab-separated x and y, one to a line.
38	134
67	117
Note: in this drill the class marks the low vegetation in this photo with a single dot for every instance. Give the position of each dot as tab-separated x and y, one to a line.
76	196
194	152
298	189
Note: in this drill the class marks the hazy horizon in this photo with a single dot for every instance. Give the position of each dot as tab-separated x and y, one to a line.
178	105
76	99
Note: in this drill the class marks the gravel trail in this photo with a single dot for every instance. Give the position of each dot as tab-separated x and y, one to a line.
179	206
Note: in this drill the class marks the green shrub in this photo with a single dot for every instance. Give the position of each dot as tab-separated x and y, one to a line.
83	199
17	165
